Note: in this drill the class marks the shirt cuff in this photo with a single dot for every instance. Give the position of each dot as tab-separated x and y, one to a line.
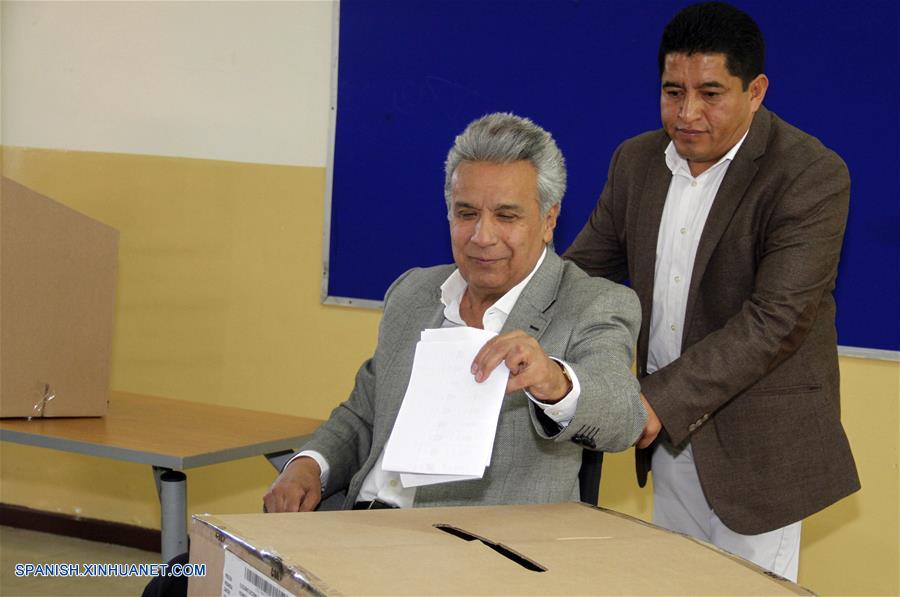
561	412
320	460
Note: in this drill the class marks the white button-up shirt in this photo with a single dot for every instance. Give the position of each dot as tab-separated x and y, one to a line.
687	206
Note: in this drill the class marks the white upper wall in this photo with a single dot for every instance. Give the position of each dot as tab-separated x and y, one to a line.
244	81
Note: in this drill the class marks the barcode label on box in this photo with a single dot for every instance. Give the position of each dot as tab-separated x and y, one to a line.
239	579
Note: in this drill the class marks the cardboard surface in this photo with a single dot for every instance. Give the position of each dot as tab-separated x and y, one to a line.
57	300
582	550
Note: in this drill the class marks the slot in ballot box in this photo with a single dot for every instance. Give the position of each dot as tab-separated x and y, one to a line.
57	306
547	549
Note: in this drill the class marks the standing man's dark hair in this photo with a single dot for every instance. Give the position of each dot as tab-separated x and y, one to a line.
729	222
716	28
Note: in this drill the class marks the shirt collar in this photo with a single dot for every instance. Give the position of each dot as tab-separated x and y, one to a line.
679	165
454	287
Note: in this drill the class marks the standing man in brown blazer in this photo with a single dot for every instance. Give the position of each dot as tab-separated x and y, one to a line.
729	224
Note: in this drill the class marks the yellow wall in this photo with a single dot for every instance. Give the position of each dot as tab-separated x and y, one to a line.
218	302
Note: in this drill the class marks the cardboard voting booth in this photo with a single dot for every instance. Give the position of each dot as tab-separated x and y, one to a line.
547	549
57	300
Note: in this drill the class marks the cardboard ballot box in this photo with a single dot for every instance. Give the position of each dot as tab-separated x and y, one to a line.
57	295
548	549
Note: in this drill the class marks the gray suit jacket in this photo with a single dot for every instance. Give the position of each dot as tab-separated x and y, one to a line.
590	323
756	389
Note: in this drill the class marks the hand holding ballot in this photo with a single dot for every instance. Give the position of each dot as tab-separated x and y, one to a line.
529	366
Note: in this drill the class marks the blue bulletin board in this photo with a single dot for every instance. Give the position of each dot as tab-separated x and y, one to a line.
413	73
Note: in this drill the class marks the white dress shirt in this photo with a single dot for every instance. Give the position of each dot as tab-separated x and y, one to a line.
684	216
385	485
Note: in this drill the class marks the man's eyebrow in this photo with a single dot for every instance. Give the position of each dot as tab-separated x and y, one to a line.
463	204
508	207
703	85
711	84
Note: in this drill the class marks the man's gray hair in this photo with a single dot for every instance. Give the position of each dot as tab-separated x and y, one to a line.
503	137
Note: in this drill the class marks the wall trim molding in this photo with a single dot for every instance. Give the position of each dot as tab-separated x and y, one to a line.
91	529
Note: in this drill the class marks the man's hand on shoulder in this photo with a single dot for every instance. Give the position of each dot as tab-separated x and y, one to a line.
529	366
651	428
297	489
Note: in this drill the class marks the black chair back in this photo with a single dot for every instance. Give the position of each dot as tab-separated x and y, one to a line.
589	476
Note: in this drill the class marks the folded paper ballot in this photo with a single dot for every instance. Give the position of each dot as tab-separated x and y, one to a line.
446	425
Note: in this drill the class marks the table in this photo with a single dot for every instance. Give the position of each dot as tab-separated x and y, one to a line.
171	436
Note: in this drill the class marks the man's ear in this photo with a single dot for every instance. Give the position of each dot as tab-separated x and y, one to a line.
757	88
550	223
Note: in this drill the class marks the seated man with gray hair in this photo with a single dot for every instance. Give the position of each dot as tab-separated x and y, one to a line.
566	338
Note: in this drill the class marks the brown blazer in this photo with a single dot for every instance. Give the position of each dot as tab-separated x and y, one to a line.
756	389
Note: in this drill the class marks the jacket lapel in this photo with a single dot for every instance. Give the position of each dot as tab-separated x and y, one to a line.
643	241
738	178
531	312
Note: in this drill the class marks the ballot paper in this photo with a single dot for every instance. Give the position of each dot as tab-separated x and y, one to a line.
446	425
416	480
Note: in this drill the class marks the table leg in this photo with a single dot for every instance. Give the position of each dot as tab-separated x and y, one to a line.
172	488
